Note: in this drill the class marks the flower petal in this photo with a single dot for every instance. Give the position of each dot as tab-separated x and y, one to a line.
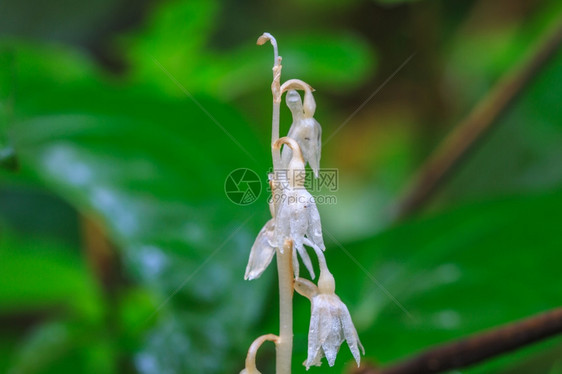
305	260
262	252
307	132
351	335
314	229
314	346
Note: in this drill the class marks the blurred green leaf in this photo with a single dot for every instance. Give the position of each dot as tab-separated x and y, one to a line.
56	347
63	20
37	275
179	30
395	2
334	62
41	278
547	360
153	169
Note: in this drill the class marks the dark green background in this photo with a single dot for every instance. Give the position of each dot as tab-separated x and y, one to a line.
120	252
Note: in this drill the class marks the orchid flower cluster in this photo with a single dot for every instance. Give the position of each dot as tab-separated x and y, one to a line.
295	226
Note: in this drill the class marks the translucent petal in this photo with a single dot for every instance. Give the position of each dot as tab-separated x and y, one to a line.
308	134
332	336
314	347
305	260
351	336
262	252
330	325
315	361
314	231
298	218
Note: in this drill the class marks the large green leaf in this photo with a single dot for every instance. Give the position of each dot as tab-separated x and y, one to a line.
42	275
174	43
152	170
455	273
43	280
56	347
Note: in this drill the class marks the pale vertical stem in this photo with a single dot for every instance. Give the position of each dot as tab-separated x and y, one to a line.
276	91
285	256
275	153
285	342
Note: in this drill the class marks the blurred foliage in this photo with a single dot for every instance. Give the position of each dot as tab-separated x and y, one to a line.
454	273
134	130
178	35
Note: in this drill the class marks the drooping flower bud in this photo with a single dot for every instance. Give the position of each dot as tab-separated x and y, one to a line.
306	131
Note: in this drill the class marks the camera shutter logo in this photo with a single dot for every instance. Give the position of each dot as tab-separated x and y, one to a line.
242	186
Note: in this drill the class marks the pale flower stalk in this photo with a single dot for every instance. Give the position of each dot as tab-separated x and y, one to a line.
295	223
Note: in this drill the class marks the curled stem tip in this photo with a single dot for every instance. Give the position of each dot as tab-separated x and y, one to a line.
256	344
268	37
296	84
291	143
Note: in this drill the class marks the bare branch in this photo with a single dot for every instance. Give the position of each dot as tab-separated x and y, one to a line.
440	165
477	348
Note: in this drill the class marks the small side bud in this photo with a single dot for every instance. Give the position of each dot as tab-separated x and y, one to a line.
306	288
305	130
309	104
262	39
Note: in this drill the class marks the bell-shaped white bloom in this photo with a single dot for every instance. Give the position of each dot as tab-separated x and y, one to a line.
298	219
330	321
262	252
330	325
305	130
297	216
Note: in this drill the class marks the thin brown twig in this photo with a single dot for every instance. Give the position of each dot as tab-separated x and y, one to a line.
440	165
477	348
